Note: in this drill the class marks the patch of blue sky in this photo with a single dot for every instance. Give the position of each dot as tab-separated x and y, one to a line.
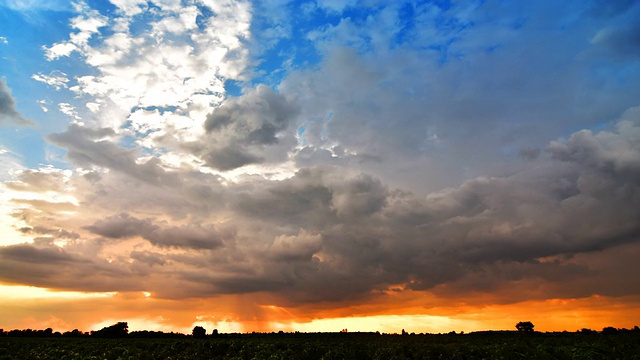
203	16
298	48
406	19
233	87
292	49
22	56
28	144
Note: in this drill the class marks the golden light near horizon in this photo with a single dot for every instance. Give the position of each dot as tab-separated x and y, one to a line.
315	165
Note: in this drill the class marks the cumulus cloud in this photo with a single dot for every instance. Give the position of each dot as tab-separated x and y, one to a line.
8	113
291	237
412	163
240	129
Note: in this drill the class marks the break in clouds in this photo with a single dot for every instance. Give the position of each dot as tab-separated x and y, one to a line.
474	157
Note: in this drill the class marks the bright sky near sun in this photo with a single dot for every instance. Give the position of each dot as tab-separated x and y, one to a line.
316	165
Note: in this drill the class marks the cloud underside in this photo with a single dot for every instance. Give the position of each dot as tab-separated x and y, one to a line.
8	113
394	156
327	234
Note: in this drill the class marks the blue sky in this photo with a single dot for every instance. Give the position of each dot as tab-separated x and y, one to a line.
444	150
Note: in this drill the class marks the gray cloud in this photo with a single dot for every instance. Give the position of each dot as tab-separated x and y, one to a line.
37	181
461	102
326	226
410	174
88	147
125	226
240	129
622	38
8	113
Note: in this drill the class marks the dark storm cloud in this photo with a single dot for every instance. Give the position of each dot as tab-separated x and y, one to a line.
122	226
238	130
325	225
8	113
189	236
571	204
148	257
47	265
32	254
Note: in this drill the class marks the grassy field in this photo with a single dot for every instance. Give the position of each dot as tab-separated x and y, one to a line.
336	346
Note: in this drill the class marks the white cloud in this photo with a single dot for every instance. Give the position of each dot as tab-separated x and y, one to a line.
57	79
69	110
130	7
174	67
43	105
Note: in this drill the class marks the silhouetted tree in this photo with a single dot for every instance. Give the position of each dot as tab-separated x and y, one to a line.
609	330
525	326
117	330
199	332
214	332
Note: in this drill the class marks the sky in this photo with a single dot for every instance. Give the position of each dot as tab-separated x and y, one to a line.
316	165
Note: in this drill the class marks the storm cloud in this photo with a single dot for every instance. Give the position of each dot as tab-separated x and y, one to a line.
481	153
239	130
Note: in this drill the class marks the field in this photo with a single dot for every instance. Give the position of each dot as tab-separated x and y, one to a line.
333	346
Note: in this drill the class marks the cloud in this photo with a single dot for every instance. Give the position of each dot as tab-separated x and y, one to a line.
39	180
57	79
37	5
8	113
290	238
125	226
411	159
87	147
622	38
240	129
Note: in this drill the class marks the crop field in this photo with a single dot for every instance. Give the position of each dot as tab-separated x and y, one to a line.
334	346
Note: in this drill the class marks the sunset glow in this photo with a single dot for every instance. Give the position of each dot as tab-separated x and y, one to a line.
319	165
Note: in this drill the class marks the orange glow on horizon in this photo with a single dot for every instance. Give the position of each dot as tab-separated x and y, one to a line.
28	307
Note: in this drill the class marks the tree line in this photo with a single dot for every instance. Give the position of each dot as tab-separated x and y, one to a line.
121	330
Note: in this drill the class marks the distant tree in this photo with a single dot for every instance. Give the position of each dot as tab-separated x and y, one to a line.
73	333
117	330
525	326
199	332
214	332
609	330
